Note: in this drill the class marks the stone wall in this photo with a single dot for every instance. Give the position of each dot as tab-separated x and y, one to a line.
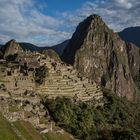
27	107
16	79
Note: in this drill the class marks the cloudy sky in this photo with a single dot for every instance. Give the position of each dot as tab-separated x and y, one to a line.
48	22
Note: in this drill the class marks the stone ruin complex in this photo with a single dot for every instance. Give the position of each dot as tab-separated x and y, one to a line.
61	79
21	96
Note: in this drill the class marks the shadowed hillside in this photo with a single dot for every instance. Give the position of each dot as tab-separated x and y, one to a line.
131	34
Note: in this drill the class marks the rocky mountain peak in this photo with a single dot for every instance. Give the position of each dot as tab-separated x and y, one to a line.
87	31
100	54
94	19
12	41
11	48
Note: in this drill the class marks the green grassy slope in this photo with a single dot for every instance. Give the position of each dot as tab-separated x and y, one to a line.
25	129
28	131
6	130
57	136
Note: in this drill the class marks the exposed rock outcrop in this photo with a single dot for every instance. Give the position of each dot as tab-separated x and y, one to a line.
100	54
133	53
11	48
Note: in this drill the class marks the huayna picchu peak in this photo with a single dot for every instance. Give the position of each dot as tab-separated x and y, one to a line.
100	54
80	35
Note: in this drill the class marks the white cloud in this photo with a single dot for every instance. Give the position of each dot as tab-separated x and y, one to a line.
118	14
21	20
125	3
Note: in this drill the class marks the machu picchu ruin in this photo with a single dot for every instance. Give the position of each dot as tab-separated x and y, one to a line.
27	78
60	79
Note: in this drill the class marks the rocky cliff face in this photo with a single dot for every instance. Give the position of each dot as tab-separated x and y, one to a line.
133	53
100	54
11	48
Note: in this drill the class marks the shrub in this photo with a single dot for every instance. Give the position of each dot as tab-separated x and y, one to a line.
118	119
40	74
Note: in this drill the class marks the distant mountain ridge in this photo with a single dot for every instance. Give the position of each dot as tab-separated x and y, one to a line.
57	48
29	46
131	34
